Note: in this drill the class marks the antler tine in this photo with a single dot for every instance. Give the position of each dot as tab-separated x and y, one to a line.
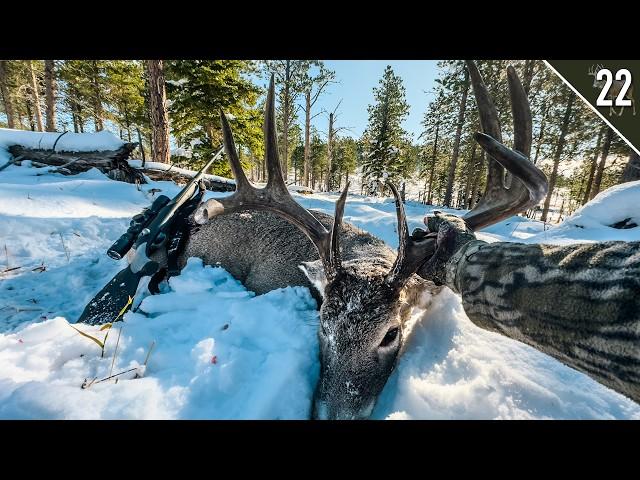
274	197
529	184
242	183
411	253
335	229
488	121
275	180
522	125
527	174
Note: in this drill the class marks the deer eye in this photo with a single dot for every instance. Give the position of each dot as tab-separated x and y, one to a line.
390	337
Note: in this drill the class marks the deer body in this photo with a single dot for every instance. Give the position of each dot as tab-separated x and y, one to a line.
265	252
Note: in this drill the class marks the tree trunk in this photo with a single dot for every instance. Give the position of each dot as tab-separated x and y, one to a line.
30	115
467	186
97	99
141	146
307	137
557	155
5	91
592	168
632	170
36	97
284	164
528	75
50	94
541	134
476	182
329	151
603	159
456	143
433	164
158	112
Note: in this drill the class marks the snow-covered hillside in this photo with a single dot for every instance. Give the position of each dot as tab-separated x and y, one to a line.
222	352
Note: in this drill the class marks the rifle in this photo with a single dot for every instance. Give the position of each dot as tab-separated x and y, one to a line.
147	233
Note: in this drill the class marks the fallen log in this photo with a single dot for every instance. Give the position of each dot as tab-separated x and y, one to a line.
112	163
180	178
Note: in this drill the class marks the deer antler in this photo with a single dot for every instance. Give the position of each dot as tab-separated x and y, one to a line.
275	197
528	184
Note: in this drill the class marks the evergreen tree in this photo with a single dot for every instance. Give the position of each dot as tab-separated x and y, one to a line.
384	135
197	90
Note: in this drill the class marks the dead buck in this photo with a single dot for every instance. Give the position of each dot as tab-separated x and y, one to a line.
366	290
614	90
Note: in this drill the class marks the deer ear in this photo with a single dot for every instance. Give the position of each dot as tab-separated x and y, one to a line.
315	273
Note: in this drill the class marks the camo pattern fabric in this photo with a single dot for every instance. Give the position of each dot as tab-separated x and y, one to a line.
578	303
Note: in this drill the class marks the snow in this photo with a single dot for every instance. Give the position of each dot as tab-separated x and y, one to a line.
592	222
222	352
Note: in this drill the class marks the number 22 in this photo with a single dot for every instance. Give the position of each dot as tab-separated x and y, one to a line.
606	74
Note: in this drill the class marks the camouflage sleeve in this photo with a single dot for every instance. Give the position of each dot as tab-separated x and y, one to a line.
578	303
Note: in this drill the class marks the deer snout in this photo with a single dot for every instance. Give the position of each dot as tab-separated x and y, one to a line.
347	401
324	411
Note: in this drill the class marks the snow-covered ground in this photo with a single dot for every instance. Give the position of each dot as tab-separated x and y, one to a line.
222	352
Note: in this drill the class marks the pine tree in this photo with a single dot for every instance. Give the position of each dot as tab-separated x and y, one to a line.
384	134
197	90
292	80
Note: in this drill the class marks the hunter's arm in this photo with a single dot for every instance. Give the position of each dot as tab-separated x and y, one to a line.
577	303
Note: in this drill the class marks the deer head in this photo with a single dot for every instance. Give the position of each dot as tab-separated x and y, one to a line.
593	71
363	309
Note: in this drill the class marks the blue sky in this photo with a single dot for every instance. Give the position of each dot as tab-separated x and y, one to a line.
356	80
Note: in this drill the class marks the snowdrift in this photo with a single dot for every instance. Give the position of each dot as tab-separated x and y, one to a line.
222	352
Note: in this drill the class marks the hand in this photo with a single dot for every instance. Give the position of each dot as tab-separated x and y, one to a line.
452	234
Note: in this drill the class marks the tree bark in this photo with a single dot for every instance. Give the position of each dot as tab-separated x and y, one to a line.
529	66
36	97
50	94
433	164
307	137
467	186
603	159
5	90
592	168
476	182
97	99
329	151
541	134
284	164
632	170
456	143
158	112
558	154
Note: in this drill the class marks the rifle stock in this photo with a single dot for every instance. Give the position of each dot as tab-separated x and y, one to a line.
110	300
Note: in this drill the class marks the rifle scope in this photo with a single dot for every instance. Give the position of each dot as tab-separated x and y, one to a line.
121	246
